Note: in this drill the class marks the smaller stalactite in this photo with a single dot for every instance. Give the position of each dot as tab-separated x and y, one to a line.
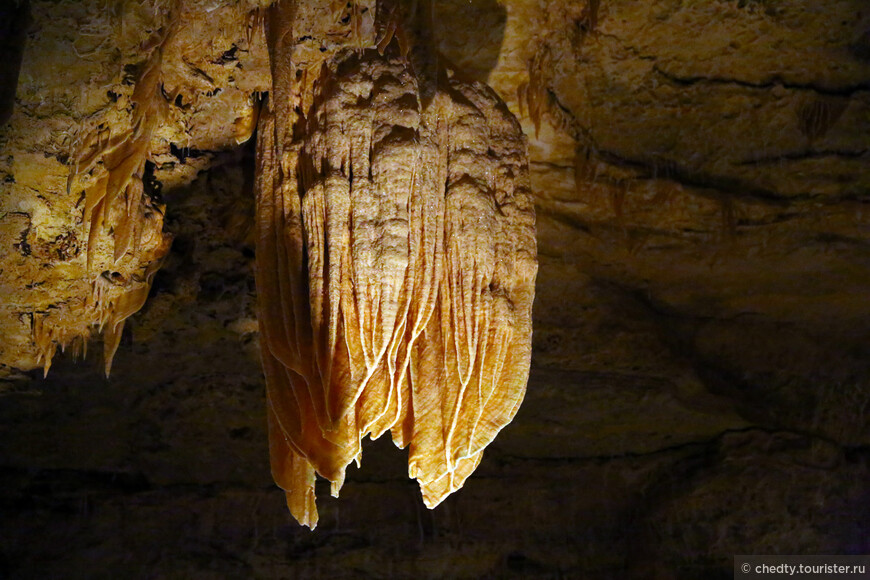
122	224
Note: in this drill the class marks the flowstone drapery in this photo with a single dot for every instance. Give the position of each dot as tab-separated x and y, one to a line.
396	259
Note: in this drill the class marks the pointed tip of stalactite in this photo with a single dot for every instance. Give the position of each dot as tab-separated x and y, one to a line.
44	343
107	369
308	516
336	484
111	340
432	495
45	357
432	499
385	40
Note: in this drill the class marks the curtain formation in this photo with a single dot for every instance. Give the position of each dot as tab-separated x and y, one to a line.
396	262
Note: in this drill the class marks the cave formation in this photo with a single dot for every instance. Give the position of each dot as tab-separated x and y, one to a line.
700	354
396	255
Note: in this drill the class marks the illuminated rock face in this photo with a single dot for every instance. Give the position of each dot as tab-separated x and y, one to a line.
108	94
396	263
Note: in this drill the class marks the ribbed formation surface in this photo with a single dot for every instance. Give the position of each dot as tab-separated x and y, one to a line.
396	262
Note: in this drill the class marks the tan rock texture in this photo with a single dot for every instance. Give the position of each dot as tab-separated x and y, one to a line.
101	99
396	263
698	382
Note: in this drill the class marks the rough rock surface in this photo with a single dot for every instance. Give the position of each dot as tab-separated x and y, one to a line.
699	374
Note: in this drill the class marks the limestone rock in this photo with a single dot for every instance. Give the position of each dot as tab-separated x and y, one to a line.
396	267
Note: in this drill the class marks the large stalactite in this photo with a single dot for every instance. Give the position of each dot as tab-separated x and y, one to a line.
396	259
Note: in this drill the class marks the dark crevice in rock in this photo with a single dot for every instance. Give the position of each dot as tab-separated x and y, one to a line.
562	217
633	50
732	187
564	118
23	246
846	91
185	152
803	155
14	22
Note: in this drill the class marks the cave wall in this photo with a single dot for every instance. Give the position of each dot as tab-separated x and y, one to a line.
699	382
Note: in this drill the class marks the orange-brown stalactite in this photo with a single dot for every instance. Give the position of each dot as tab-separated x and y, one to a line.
109	271
396	261
123	226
